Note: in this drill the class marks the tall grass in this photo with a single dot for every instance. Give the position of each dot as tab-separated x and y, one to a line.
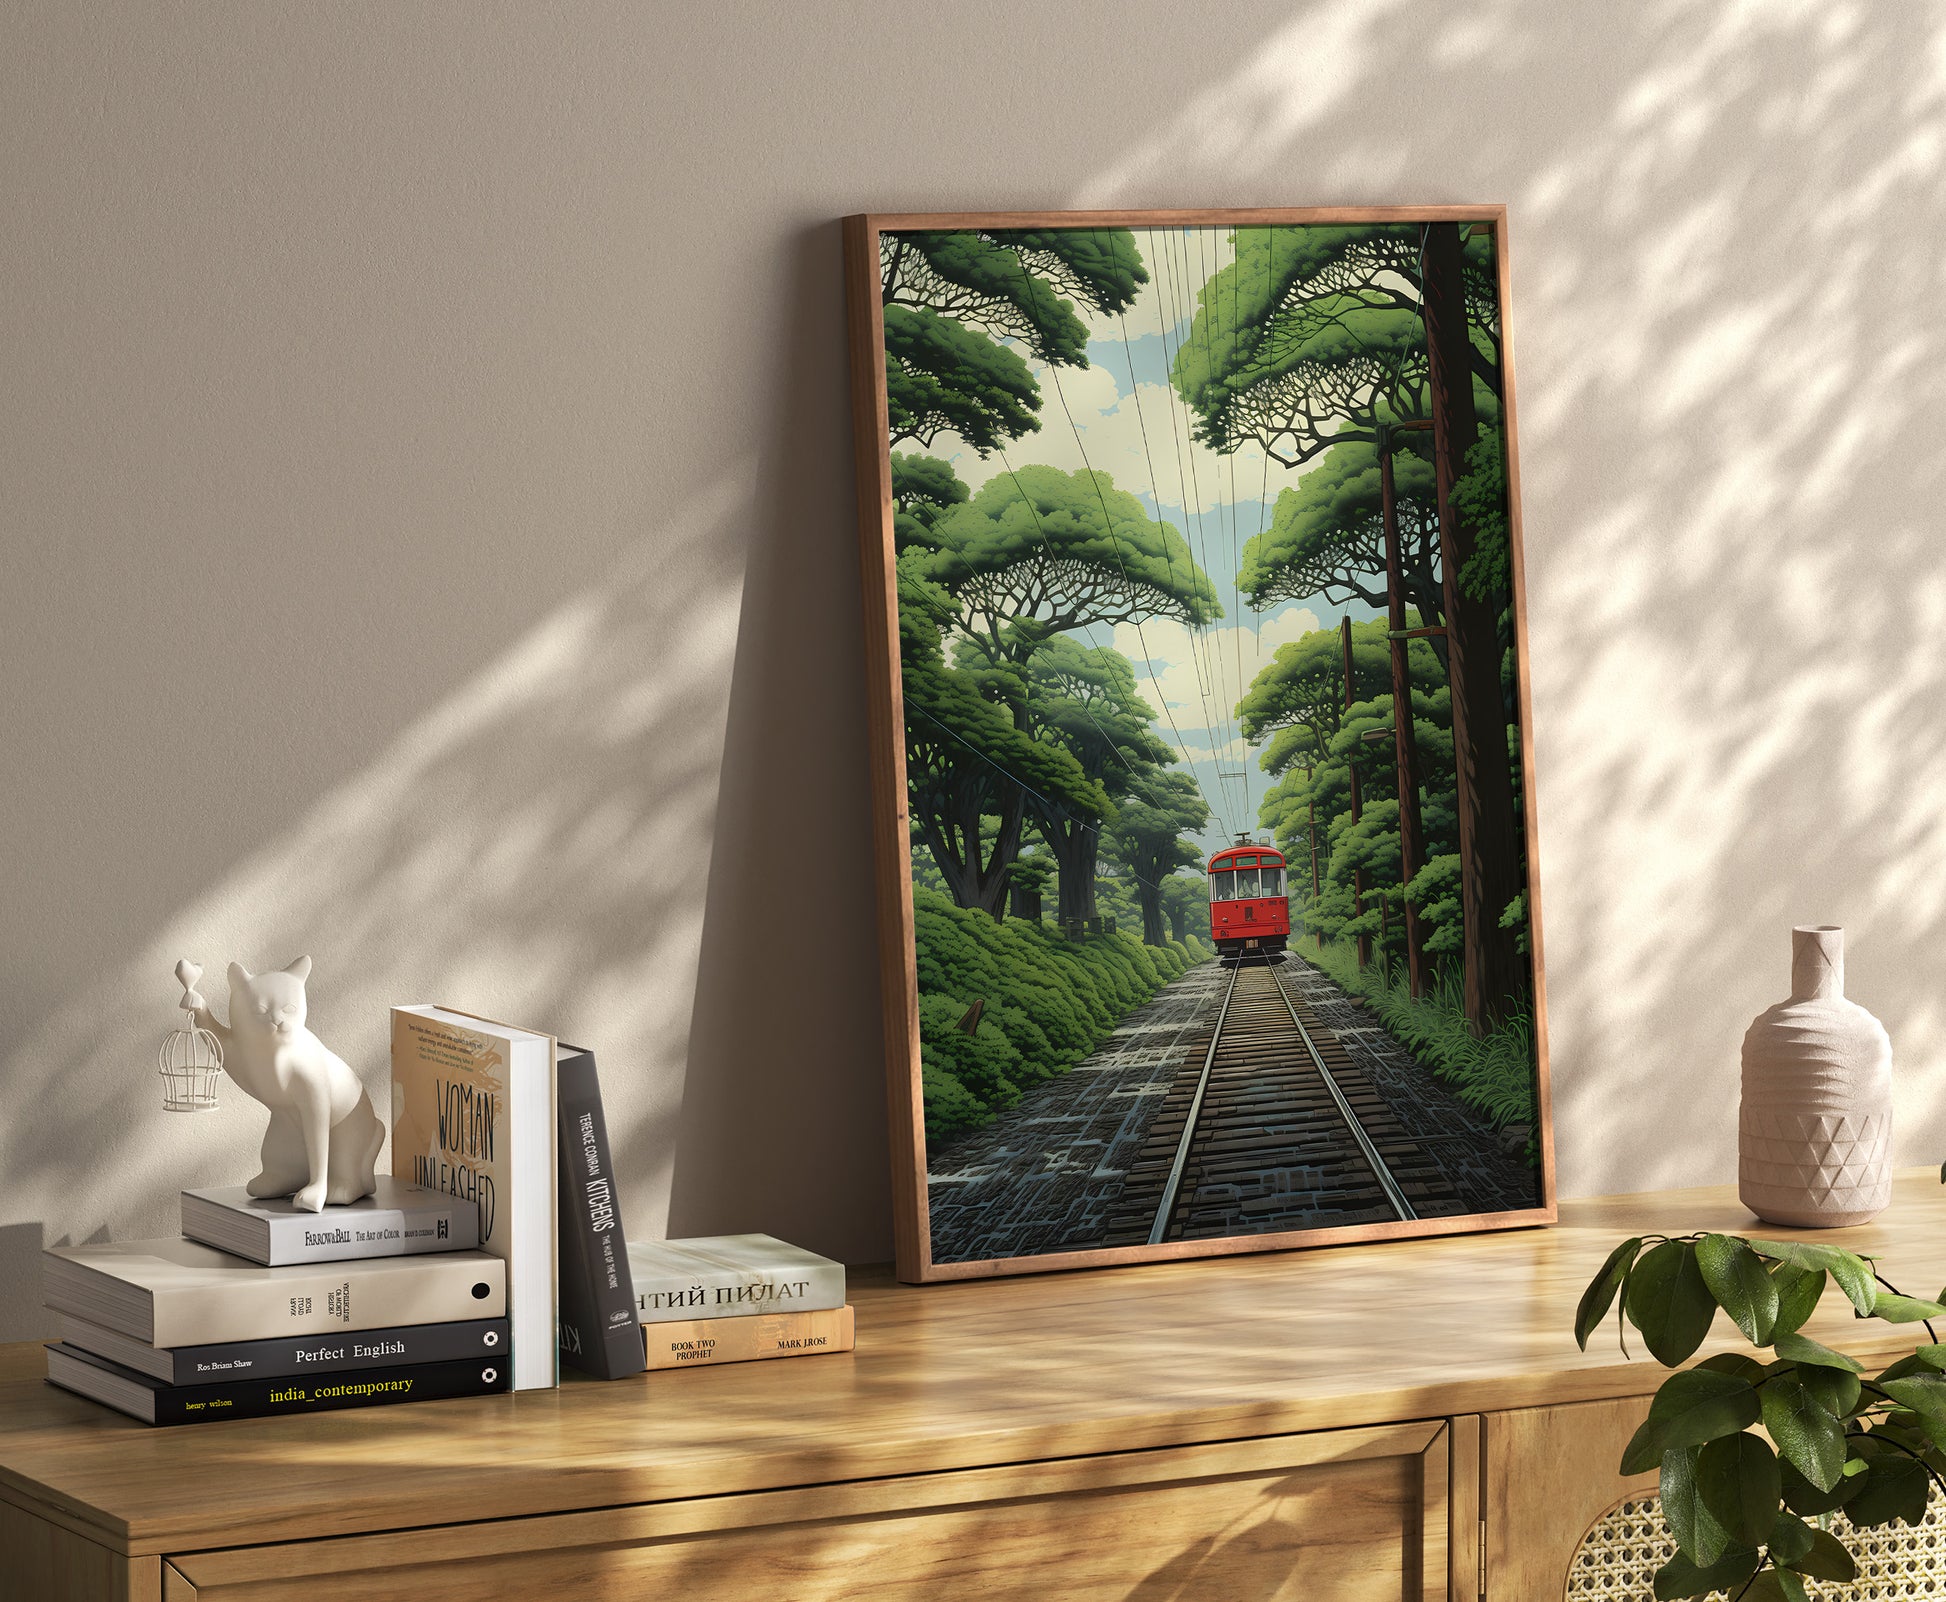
1494	1074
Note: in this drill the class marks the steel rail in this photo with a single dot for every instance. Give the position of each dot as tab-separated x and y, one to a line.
1387	1182
1159	1230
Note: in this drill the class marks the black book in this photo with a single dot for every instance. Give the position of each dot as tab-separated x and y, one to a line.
148	1399
404	1347
599	1332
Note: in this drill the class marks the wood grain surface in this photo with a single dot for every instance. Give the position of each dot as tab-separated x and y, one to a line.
1341	1514
945	1378
1550	1475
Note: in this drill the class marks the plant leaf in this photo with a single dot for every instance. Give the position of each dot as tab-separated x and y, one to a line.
1737	1480
1837	1390
1894	1487
1701	1538
1790	1539
1668	1302
1798	1290
1853	1275
1600	1294
1925	1394
1905	1309
1681	1578
1812	1440
1931	1356
1743	1288
1802	1497
1773	1585
1802	1349
1693	1406
1828	1559
1741	1364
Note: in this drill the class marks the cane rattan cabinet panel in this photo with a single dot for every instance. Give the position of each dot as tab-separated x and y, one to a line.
1364	1422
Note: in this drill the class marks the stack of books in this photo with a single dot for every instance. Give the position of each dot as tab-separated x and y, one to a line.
492	1253
736	1298
264	1308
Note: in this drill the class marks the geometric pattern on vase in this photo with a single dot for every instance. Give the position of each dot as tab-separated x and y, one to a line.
1839	1161
1618	1557
1815	1123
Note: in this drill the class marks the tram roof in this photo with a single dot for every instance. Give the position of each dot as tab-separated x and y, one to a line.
1229	854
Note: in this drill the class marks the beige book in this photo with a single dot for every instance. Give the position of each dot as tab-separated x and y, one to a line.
177	1293
473	1112
692	1343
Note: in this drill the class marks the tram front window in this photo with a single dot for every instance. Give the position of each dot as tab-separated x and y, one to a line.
1246	884
1222	887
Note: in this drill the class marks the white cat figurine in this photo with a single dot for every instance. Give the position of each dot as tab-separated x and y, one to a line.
324	1136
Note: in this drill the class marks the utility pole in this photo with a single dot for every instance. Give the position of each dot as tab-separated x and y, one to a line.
1357	804
1311	809
1405	740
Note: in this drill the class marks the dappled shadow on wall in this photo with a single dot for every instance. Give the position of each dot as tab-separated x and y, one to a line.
535	848
1727	227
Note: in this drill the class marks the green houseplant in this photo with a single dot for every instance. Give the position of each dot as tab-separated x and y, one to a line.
1751	1515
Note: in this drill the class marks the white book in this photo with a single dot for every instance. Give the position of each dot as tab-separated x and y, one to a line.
396	1220
473	1115
730	1276
177	1293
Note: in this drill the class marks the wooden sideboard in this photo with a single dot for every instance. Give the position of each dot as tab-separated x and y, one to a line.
1388	1421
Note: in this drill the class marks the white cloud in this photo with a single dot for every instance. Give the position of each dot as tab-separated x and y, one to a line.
1230	754
1199	676
1108	434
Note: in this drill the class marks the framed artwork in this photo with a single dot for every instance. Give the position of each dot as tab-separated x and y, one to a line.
1201	749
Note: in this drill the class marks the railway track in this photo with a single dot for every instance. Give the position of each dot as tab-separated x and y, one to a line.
1271	1126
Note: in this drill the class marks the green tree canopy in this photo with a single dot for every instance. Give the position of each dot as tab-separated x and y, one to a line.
1082	698
970	761
1148	837
923	489
1041	552
1311	740
1303	685
1313	336
1327	539
1020	285
1185	903
942	377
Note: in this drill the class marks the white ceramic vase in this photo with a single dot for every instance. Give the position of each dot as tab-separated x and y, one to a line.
1815	1135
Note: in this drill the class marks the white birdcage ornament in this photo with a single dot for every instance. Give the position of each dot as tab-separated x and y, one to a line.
190	1059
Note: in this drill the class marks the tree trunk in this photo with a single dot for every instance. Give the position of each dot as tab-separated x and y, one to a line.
976	877
1357	807
1405	737
1075	848
1489	838
1150	896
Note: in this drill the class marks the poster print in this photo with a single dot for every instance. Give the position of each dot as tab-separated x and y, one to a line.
1202	768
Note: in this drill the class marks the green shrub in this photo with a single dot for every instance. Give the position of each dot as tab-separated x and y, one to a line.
1494	1074
1049	1001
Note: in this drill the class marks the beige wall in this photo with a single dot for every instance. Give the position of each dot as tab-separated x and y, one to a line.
425	527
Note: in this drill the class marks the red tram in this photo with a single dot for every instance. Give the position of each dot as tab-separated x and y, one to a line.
1249	911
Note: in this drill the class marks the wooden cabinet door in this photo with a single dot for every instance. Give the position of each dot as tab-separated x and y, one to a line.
1337	1516
1549	1475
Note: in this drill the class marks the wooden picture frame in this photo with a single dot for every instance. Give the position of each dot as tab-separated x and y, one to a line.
1170	236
